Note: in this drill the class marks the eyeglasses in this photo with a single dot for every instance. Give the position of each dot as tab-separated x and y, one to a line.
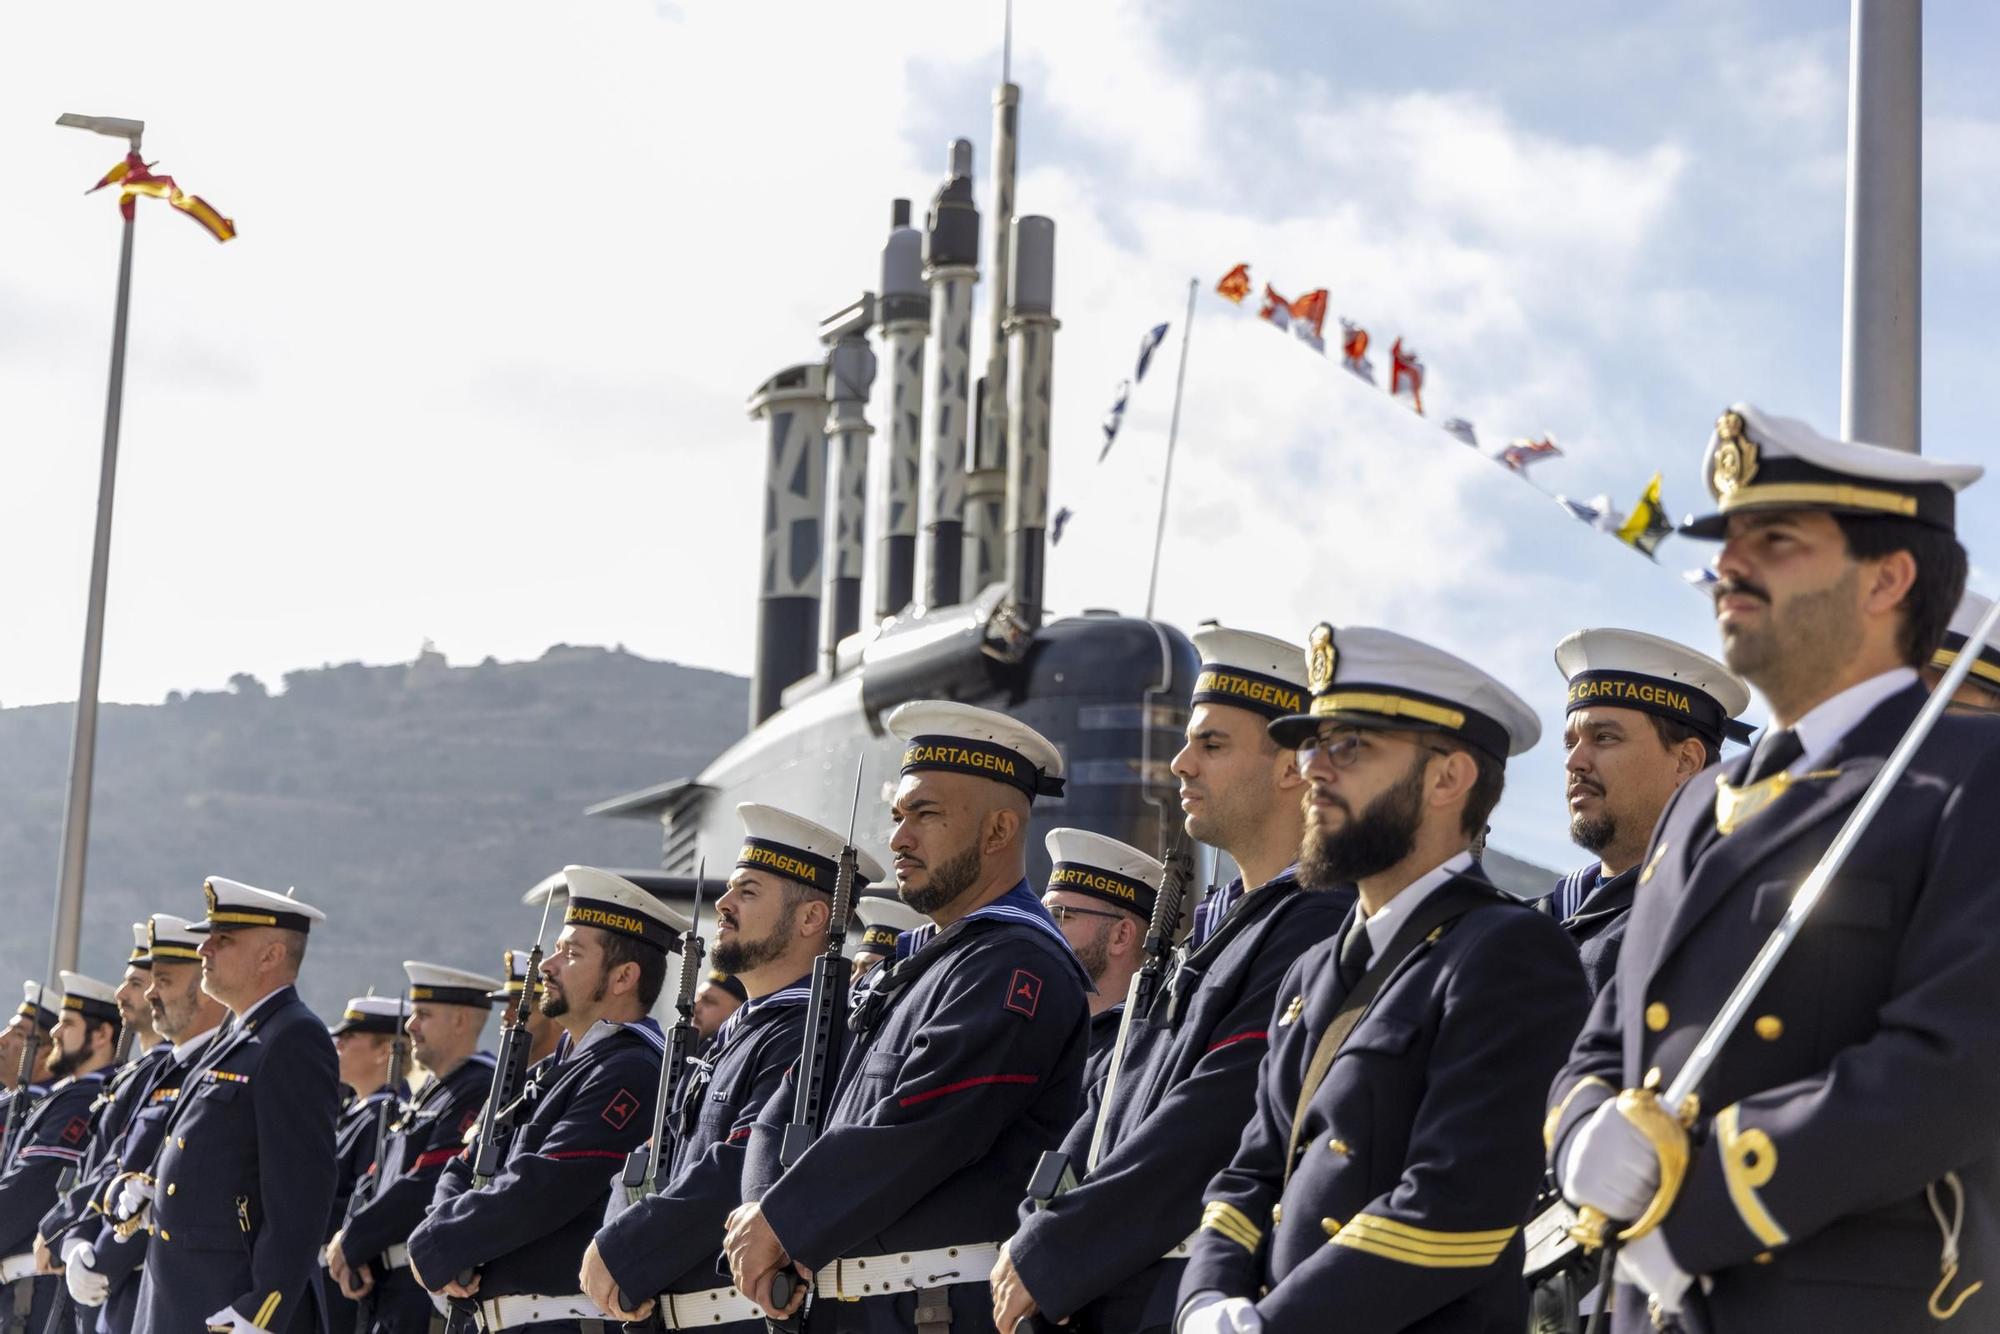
1062	912
1344	747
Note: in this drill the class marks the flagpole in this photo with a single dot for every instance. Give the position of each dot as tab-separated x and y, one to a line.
1173	434
83	745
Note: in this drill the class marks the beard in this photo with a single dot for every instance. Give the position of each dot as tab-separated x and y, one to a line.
738	955
1593	833
950	881
1809	633
62	1064
555	1003
1095	954
1369	843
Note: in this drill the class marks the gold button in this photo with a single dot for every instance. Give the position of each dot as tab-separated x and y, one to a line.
1656	1017
1762	1257
1277	1214
1770	1027
1330	1226
165	1235
1338	1146
180	1142
1654	1080
172	1186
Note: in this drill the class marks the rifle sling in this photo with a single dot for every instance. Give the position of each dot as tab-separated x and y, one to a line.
1432	917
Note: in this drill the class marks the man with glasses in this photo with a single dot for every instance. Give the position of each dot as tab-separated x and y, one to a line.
1101	894
1383	1179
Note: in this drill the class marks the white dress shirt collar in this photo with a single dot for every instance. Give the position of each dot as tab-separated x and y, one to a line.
1824	725
1383	923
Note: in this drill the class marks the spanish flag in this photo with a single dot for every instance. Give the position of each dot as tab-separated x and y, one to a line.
1647	525
134	178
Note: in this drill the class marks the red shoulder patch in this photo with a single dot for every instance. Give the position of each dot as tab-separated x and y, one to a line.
1024	992
620	1110
76	1131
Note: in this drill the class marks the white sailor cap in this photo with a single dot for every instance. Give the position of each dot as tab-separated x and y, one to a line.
796	848
1250	671
232	904
1104	868
173	938
1972	609
89	997
138	958
35	1005
613	903
372	1014
1364	677
883	918
439	985
962	738
1757	461
1626	669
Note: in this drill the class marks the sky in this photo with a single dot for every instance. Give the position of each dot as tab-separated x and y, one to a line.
475	370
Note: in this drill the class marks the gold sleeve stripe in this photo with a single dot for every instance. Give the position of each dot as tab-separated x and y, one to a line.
1423	1247
1494	1237
1232	1223
1749	1160
1556	1112
267	1310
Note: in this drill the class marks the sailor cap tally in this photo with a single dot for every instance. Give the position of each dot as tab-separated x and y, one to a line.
1364	677
882	920
435	984
1757	461
1104	868
138	958
232	904
962	738
613	903
1625	669
90	998
171	938
1250	671
1972	609
371	1014
788	845
34	1005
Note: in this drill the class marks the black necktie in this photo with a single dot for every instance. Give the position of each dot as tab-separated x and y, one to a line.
1355	952
1775	752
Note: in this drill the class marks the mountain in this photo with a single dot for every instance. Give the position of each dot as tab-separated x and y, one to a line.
414	803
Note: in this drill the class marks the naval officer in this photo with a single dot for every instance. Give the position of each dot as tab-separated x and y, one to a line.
1980	691
364	1041
1190	1083
1642	716
1101	893
239	1192
1835	1169
369	1258
964	1061
1383	1179
512	1247
666	1250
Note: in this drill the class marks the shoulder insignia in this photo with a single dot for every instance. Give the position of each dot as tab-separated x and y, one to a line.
1292	1012
1024	992
1659	855
76	1131
620	1110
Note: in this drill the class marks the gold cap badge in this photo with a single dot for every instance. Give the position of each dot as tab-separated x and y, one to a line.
1320	659
208	893
1735	456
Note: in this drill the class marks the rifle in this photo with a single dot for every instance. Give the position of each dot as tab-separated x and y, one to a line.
642	1166
23	1100
819	1057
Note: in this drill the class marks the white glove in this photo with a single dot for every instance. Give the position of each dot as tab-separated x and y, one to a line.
133	1196
226	1321
86	1285
1648	1264
1611	1166
1231	1315
72	1245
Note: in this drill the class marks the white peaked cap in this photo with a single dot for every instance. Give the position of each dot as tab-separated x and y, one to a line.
792	846
1362	676
232	903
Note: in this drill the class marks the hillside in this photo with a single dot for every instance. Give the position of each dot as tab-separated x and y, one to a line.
414	802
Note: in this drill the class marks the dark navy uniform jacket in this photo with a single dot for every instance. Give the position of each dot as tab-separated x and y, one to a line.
354	1154
1103	1037
1598	924
1416	1163
121	1262
118	1098
1867	1069
671	1241
244	1176
969	1074
53	1140
526	1230
1176	1117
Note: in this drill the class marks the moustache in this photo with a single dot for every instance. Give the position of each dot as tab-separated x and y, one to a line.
1577	785
1739	588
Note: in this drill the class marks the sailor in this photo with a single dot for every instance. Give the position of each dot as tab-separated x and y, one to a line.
103	1262
666	1249
368	1258
1980	691
1189	1083
543	1032
964	1062
1390	1162
364	1042
883	918
1835	1168
1642	716
718	997
239	1192
55	1135
1101	893
513	1245
25	1078
132	1008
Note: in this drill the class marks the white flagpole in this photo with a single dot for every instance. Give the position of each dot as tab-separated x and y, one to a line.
1881	343
1173	434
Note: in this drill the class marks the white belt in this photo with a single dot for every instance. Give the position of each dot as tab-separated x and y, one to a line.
397	1256
710	1306
852	1279
529	1308
17	1267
